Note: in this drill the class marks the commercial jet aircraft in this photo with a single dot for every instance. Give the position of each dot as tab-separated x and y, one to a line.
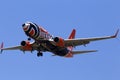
45	42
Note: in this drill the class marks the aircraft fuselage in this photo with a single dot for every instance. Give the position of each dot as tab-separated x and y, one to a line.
38	33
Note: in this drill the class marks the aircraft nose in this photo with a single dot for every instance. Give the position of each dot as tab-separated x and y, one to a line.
26	26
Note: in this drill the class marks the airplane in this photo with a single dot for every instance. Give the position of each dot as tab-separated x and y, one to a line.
45	42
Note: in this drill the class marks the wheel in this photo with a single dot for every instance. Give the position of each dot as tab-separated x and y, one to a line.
39	54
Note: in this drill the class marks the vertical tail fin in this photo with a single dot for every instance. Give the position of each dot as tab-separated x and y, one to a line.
70	48
72	35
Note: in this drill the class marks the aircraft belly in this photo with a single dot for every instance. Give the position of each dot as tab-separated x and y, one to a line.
62	52
54	49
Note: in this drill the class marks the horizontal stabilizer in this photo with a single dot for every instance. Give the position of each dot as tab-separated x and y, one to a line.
81	52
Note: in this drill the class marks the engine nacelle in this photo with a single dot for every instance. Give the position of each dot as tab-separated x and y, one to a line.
59	41
26	46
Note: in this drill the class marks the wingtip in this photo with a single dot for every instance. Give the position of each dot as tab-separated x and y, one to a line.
117	33
1	46
114	36
95	50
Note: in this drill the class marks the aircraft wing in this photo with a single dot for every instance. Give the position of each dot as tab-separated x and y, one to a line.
15	47
83	41
12	48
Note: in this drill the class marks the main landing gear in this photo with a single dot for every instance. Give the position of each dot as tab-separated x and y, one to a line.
39	54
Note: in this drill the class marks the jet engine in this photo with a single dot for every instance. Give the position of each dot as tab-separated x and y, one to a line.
59	41
26	46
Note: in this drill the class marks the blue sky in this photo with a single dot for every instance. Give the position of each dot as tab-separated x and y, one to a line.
90	18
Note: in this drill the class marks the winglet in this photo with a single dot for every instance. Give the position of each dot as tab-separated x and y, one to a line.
115	34
1	46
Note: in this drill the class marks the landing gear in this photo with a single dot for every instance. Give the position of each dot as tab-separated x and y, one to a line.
39	54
